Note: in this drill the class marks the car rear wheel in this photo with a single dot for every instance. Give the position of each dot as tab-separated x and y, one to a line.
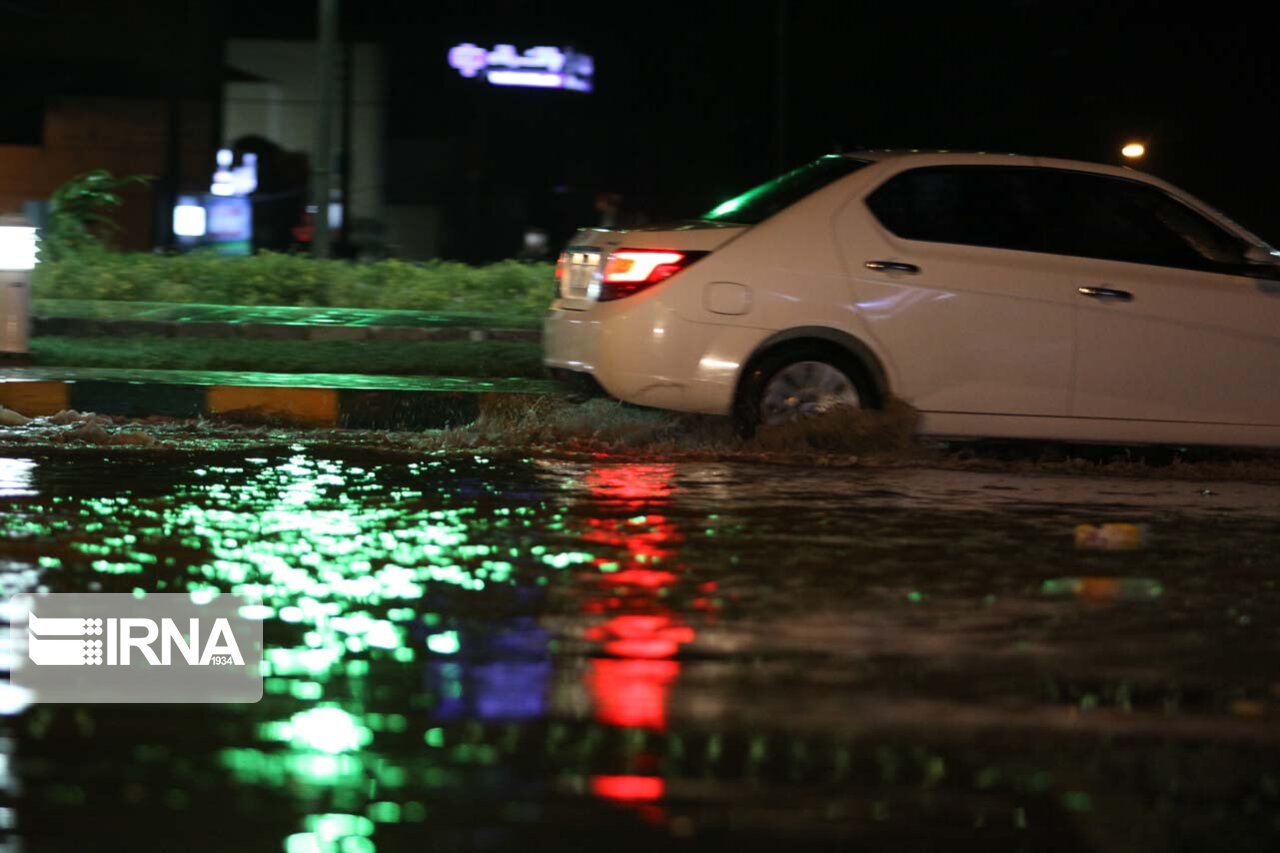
801	382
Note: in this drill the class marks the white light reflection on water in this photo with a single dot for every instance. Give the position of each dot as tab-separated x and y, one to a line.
15	478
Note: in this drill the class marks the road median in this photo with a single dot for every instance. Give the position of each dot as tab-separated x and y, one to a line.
352	401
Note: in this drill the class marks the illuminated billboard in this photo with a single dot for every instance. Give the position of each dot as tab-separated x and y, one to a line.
537	67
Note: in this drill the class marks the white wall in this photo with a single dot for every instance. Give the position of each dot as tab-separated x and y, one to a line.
283	107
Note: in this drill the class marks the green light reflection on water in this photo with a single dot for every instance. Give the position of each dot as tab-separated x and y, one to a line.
445	643
337	563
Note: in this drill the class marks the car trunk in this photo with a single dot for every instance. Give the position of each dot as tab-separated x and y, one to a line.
584	259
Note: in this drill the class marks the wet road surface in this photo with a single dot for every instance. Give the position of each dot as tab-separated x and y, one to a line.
469	653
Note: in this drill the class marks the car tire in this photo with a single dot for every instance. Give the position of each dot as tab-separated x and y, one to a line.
799	381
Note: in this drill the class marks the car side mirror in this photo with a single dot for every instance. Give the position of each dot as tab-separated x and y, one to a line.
1262	255
1261	262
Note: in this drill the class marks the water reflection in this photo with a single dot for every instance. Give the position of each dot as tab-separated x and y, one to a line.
505	675
638	636
15	477
477	654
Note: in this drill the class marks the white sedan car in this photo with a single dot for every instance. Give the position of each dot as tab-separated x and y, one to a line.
1001	296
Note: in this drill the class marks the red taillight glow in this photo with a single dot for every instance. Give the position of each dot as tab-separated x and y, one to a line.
631	266
628	271
561	263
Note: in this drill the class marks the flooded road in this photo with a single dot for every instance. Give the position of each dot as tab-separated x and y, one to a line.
469	653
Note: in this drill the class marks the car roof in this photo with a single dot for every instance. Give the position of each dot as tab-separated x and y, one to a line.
944	157
888	153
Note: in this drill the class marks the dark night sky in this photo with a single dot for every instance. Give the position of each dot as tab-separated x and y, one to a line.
686	107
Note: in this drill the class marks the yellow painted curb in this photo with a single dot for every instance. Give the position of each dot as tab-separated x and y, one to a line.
314	406
34	399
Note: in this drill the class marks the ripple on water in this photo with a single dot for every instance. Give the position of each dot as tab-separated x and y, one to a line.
634	651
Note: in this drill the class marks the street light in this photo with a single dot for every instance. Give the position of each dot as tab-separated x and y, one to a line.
1133	150
17	245
17	260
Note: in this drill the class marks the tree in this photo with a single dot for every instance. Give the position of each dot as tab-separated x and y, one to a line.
80	207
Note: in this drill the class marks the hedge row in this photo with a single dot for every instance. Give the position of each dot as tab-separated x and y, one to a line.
269	278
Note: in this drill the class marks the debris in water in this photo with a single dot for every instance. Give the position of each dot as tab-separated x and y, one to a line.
1105	588
8	417
1112	536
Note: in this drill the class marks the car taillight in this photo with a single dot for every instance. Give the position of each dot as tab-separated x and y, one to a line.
560	264
629	271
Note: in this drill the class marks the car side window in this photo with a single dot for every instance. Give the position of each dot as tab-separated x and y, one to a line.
1098	216
967	205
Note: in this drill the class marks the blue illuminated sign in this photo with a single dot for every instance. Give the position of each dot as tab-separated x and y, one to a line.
537	67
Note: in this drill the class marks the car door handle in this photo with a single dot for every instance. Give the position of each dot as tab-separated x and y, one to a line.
891	266
1106	293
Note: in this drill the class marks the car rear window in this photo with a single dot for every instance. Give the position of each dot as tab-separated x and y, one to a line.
759	203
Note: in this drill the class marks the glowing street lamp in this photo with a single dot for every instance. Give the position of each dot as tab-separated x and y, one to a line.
17	245
1133	150
17	260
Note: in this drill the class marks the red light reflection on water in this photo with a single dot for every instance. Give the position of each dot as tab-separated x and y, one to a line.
628	789
631	693
636	792
630	484
636	635
631	682
639	635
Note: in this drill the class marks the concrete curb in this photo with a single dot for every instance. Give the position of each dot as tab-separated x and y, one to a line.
81	328
260	401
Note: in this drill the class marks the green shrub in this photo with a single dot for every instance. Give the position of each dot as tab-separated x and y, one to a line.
270	278
81	212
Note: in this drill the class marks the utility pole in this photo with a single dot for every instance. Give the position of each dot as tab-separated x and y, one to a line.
344	156
168	188
322	163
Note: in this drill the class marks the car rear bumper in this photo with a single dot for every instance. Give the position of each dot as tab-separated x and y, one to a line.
644	354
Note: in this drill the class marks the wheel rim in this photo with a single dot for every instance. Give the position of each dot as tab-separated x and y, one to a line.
805	389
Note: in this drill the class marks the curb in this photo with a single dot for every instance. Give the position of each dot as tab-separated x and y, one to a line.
296	405
80	328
